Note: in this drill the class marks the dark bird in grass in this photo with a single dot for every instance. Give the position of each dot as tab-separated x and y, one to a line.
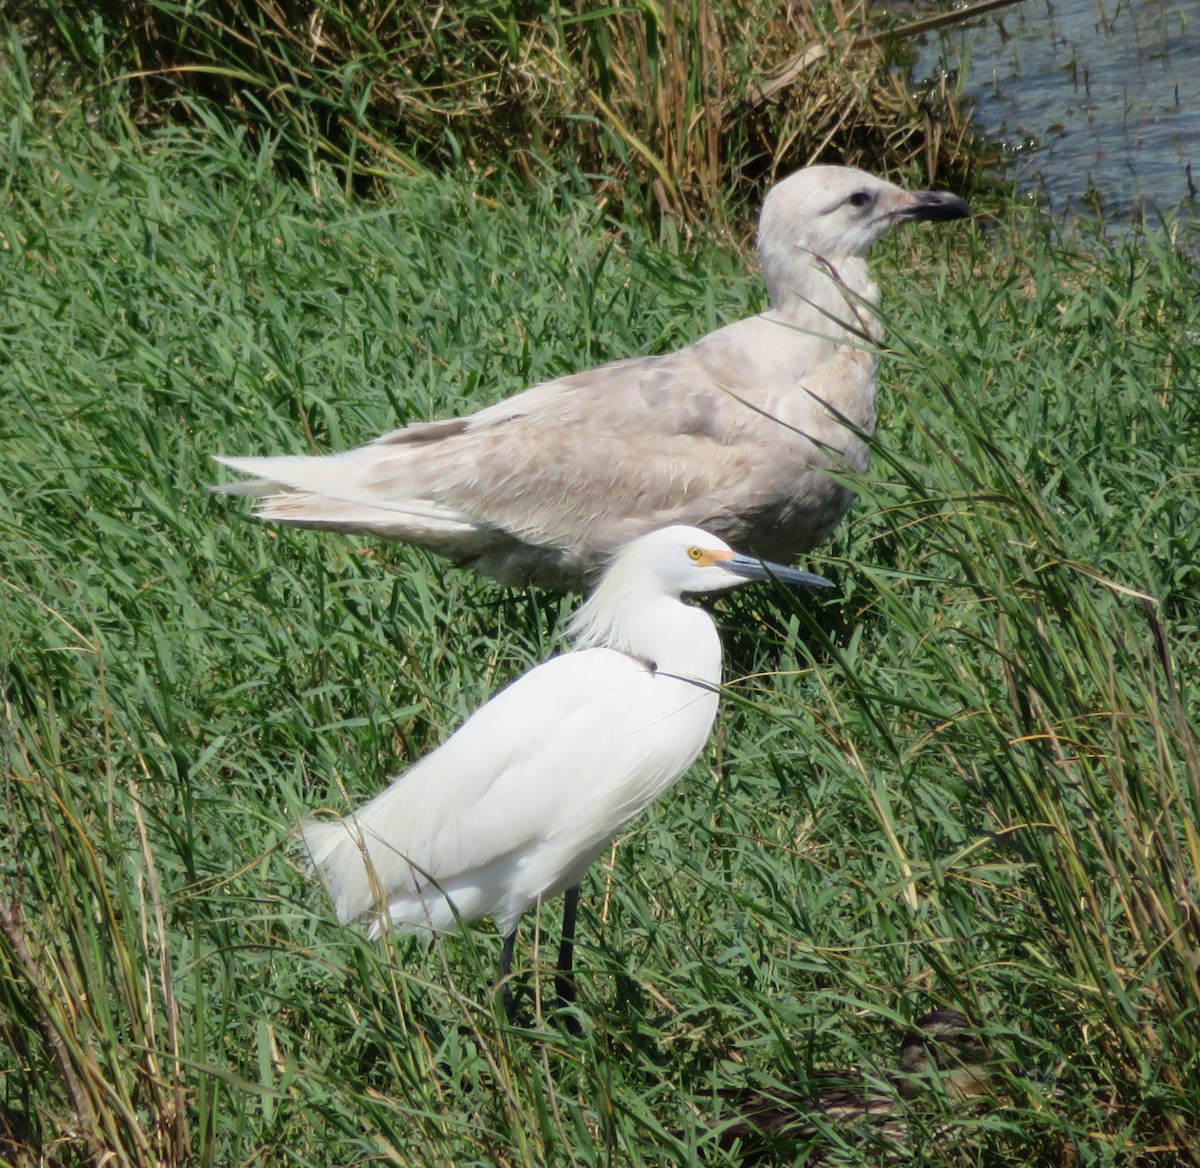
780	1126
736	433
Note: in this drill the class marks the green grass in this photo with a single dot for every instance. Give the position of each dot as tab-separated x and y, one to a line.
971	781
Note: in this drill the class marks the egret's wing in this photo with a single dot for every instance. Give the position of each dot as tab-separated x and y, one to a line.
551	754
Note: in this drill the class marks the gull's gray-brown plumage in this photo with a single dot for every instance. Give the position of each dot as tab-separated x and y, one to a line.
734	433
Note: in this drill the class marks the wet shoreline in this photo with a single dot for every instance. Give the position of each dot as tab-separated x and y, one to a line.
1094	104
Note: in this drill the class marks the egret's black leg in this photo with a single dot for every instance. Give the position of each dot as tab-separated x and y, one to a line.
506	956
564	985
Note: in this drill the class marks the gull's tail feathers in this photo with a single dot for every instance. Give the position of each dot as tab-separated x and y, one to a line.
327	493
285	472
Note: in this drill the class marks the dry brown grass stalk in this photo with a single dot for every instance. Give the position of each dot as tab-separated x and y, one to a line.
107	1034
687	101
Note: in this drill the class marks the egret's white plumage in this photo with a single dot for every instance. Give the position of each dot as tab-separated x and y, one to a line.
528	792
736	432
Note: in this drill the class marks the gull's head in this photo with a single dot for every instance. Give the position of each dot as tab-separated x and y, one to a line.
837	212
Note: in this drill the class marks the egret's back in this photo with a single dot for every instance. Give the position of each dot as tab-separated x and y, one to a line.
519	801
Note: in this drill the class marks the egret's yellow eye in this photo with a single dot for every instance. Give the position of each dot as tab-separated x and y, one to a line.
694	553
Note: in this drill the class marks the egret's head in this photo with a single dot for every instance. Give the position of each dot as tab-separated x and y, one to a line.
678	560
836	212
666	563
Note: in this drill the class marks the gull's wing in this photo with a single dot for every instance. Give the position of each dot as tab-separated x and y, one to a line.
730	434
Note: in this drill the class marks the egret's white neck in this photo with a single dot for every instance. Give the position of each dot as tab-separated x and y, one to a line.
671	637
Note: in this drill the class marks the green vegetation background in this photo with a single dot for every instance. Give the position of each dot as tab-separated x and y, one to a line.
971	780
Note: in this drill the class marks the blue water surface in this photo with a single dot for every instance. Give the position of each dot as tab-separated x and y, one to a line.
1096	103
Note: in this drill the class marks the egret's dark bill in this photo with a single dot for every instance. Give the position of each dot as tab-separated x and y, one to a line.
755	569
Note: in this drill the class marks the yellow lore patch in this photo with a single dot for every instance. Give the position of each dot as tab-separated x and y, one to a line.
706	557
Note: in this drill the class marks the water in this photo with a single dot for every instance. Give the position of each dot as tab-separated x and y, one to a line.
1095	103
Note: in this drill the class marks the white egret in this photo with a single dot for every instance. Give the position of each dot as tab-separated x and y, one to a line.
515	806
735	433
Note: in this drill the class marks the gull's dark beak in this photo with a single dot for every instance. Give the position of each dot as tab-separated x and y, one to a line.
751	568
935	206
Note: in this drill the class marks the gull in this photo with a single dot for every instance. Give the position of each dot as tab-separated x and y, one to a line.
746	433
518	802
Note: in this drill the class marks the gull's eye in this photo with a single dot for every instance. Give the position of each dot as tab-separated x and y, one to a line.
695	554
860	199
